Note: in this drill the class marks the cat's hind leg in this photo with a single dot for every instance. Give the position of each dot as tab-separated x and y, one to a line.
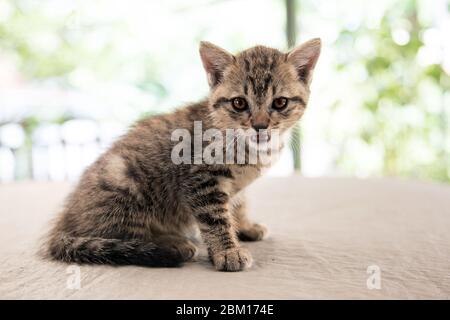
185	247
246	230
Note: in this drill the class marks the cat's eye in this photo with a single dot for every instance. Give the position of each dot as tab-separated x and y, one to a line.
239	104
279	103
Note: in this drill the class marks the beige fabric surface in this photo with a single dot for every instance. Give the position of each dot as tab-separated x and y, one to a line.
324	234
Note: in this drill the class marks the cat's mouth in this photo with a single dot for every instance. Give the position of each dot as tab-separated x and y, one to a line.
261	137
261	141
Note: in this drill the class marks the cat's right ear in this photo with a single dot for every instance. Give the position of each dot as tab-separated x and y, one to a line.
304	59
214	60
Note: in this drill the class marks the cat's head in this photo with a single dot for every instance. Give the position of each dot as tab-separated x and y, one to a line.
259	88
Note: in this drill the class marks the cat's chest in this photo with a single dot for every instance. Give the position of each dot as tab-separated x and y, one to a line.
243	176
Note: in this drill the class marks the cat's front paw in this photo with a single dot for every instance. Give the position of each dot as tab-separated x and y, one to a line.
235	259
254	232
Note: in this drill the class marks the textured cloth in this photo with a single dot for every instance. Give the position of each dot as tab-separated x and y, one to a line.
325	234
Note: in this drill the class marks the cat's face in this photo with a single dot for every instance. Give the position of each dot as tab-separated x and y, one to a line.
259	88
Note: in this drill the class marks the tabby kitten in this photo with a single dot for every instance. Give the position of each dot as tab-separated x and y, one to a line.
134	205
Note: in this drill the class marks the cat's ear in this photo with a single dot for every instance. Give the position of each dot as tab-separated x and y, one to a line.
304	58
214	60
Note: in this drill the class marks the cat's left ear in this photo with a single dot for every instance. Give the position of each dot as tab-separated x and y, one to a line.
304	58
215	60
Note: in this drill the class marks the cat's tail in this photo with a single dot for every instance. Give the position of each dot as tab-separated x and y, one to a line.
112	251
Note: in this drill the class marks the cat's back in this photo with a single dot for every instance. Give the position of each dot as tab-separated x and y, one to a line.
140	160
154	133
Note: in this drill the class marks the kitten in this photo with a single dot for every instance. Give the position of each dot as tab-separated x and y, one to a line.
134	205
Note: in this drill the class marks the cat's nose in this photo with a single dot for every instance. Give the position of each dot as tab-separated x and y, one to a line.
260	126
260	120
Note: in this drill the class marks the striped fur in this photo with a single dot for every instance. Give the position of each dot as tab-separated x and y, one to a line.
135	206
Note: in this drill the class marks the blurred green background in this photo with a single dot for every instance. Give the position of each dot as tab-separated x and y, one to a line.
75	74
